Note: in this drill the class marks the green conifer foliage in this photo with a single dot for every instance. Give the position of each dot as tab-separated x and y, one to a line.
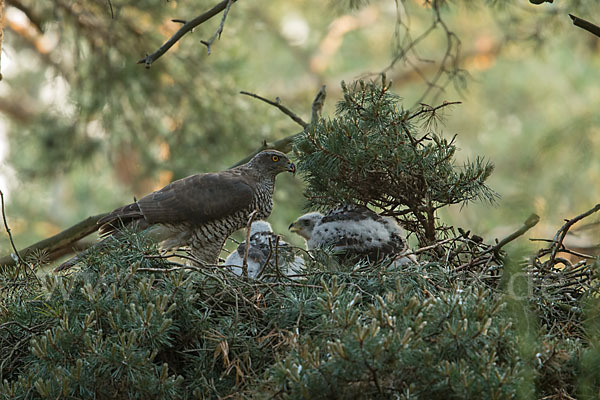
131	324
376	153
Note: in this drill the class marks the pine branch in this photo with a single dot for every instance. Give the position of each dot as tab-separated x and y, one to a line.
187	27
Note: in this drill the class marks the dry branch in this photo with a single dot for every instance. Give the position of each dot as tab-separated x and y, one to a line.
285	145
12	243
280	106
187	27
562	232
217	34
17	256
527	225
583	24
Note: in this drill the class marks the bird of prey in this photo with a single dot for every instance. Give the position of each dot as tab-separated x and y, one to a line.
352	232
202	210
264	249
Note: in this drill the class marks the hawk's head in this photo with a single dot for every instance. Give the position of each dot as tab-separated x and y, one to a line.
272	162
305	225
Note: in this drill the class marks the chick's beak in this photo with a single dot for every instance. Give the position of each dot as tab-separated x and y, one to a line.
292	168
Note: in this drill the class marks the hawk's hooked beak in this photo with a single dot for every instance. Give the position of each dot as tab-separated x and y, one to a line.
292	168
292	227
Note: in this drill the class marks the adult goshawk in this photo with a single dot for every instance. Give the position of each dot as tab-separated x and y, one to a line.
202	210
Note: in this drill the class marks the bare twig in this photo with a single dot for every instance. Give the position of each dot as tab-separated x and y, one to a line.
110	6
27	268
219	29
12	243
285	145
187	27
281	107
247	248
432	110
264	266
317	105
483	257
583	24
562	232
527	225
433	246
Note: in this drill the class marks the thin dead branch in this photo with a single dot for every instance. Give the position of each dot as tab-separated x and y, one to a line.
562	232
280	106
285	145
527	225
17	256
583	24
187	27
427	109
210	41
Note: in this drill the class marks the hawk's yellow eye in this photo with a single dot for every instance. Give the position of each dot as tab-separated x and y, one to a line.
275	158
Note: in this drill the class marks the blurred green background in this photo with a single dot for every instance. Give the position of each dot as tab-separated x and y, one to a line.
84	128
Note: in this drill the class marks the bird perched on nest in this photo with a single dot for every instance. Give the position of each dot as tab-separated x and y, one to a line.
202	210
264	248
353	232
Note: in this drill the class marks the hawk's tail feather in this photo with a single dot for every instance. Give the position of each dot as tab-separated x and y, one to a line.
119	218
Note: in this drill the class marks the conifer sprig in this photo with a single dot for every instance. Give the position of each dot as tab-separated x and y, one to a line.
374	152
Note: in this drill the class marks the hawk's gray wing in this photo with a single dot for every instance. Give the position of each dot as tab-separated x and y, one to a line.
196	199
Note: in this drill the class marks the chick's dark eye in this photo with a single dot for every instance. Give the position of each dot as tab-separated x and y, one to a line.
275	158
